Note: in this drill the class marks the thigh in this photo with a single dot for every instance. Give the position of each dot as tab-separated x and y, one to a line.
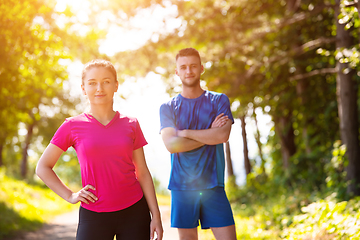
94	226
188	233
225	233
134	222
215	209
185	209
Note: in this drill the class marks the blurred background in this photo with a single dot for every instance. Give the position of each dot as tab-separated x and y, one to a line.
290	68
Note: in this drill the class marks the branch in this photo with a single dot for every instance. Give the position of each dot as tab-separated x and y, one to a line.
266	29
313	73
284	58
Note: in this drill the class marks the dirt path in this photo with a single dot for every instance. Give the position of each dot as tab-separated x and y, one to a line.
64	227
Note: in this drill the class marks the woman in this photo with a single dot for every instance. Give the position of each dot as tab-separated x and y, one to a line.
118	191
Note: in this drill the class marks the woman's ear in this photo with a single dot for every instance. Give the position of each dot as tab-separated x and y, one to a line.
83	89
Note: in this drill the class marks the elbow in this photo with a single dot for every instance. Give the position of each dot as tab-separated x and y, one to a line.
171	149
223	138
38	171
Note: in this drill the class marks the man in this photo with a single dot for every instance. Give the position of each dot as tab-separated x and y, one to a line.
194	126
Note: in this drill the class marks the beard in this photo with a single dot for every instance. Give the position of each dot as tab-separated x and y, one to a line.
191	83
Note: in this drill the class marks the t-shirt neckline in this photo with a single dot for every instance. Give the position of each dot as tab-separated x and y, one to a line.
91	118
192	99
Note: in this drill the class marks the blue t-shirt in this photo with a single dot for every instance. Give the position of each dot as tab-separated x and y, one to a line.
201	168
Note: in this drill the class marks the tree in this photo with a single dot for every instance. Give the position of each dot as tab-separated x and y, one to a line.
32	68
347	104
247	163
279	54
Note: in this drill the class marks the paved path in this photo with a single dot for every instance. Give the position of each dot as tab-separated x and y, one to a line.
64	227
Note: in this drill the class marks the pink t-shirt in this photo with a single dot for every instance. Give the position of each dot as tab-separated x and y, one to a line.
105	157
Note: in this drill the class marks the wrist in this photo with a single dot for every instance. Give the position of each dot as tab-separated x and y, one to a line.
181	133
156	215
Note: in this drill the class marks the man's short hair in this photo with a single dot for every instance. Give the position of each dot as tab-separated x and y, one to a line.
188	52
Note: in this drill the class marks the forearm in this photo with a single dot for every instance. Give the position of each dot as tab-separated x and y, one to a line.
180	144
49	177
211	136
175	144
147	186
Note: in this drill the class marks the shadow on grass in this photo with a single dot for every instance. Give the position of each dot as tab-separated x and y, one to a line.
11	222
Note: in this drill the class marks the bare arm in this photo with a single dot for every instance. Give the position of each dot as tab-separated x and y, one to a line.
211	136
44	170
178	142
175	144
147	185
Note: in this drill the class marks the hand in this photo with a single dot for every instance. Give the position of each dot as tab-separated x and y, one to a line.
156	226
219	121
84	195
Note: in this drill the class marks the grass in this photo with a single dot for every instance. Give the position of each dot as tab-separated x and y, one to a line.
25	207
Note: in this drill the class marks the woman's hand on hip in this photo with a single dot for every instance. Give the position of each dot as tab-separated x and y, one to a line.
84	195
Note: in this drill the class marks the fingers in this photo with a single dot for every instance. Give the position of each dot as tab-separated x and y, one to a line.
159	234
84	195
220	120
156	227
219	116
151	234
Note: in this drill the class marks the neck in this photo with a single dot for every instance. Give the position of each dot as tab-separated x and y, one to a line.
102	114
191	92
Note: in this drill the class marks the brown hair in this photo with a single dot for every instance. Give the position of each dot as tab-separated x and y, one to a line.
188	52
98	63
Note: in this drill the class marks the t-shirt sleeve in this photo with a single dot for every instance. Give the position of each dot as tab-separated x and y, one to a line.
224	107
62	137
139	140
167	118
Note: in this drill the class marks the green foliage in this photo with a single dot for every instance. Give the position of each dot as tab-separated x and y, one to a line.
268	211
158	187
25	207
335	170
326	219
68	169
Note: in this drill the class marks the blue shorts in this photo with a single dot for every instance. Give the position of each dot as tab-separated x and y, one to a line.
210	206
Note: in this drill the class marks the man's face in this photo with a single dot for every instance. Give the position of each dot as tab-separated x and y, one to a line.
189	69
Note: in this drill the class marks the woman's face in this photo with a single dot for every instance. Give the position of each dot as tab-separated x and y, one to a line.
99	85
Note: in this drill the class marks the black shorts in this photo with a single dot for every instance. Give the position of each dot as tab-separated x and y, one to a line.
130	223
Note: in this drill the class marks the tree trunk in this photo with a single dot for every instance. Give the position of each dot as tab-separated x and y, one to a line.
229	168
246	151
347	107
285	131
1	154
257	138
301	88
24	162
